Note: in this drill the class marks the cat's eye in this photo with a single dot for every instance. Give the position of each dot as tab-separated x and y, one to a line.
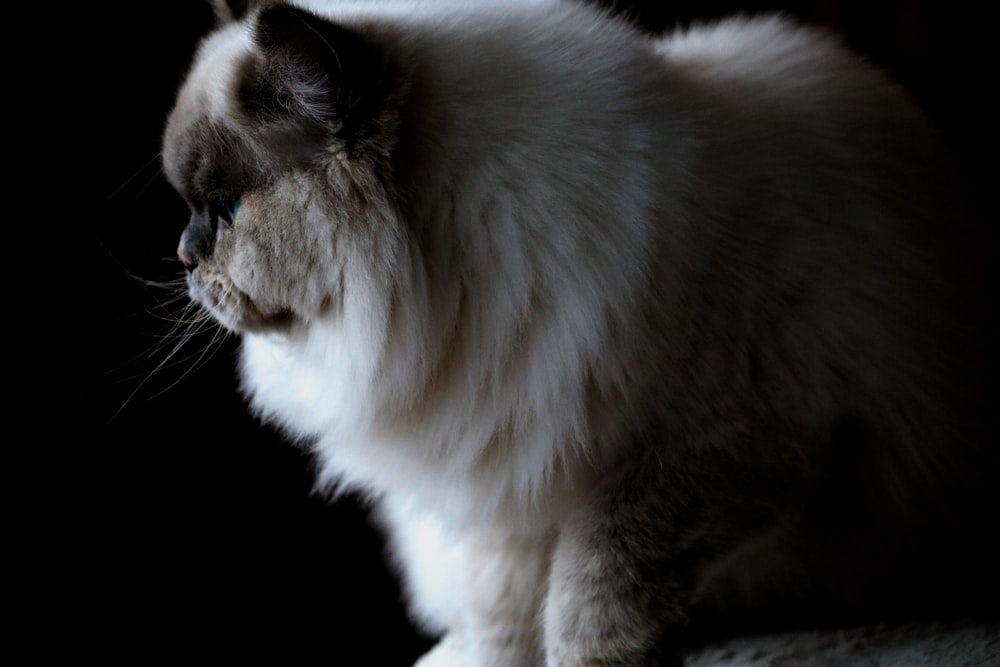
223	208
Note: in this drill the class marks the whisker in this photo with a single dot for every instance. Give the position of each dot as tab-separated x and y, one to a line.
183	330
185	336
207	353
135	175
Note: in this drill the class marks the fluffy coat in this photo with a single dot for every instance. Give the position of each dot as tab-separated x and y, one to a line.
607	327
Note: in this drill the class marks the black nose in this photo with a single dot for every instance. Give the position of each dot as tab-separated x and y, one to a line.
197	241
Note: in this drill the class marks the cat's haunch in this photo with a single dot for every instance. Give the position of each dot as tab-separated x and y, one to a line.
615	331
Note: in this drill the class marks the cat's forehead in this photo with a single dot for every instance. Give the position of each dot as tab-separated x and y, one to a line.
204	103
216	63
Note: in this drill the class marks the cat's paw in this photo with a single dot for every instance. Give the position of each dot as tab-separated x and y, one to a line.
447	653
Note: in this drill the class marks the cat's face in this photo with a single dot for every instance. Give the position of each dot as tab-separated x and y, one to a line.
275	143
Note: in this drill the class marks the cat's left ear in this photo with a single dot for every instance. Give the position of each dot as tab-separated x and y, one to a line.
312	70
227	11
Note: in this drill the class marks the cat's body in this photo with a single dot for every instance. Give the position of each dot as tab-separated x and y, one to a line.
606	326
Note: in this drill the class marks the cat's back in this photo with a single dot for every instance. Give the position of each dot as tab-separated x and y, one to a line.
767	49
754	81
789	114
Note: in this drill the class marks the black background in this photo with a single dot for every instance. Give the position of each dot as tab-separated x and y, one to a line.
182	526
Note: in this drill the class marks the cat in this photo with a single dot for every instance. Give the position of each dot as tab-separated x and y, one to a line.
614	331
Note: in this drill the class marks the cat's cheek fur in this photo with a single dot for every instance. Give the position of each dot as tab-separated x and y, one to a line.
271	282
304	285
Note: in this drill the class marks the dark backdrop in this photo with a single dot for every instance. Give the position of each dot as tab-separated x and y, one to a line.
185	527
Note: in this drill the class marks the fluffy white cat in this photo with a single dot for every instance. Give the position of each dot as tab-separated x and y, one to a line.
609	328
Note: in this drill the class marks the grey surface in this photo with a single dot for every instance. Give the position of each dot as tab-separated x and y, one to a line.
973	643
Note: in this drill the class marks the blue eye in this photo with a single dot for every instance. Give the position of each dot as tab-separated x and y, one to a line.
223	209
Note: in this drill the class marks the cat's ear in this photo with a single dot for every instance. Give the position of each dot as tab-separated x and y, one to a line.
311	70
227	11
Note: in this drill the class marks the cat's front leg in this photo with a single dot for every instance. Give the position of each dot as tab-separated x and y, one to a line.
498	585
627	562
482	588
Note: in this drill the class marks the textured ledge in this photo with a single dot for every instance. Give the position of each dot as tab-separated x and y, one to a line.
960	644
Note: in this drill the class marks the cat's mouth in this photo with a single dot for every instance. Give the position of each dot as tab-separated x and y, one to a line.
234	309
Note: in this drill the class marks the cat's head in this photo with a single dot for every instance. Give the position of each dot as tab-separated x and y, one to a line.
279	142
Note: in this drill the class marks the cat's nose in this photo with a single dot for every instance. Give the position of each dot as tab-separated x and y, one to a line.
196	242
189	261
187	250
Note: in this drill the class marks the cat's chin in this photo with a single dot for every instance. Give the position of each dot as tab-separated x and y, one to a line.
250	319
280	321
237	312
